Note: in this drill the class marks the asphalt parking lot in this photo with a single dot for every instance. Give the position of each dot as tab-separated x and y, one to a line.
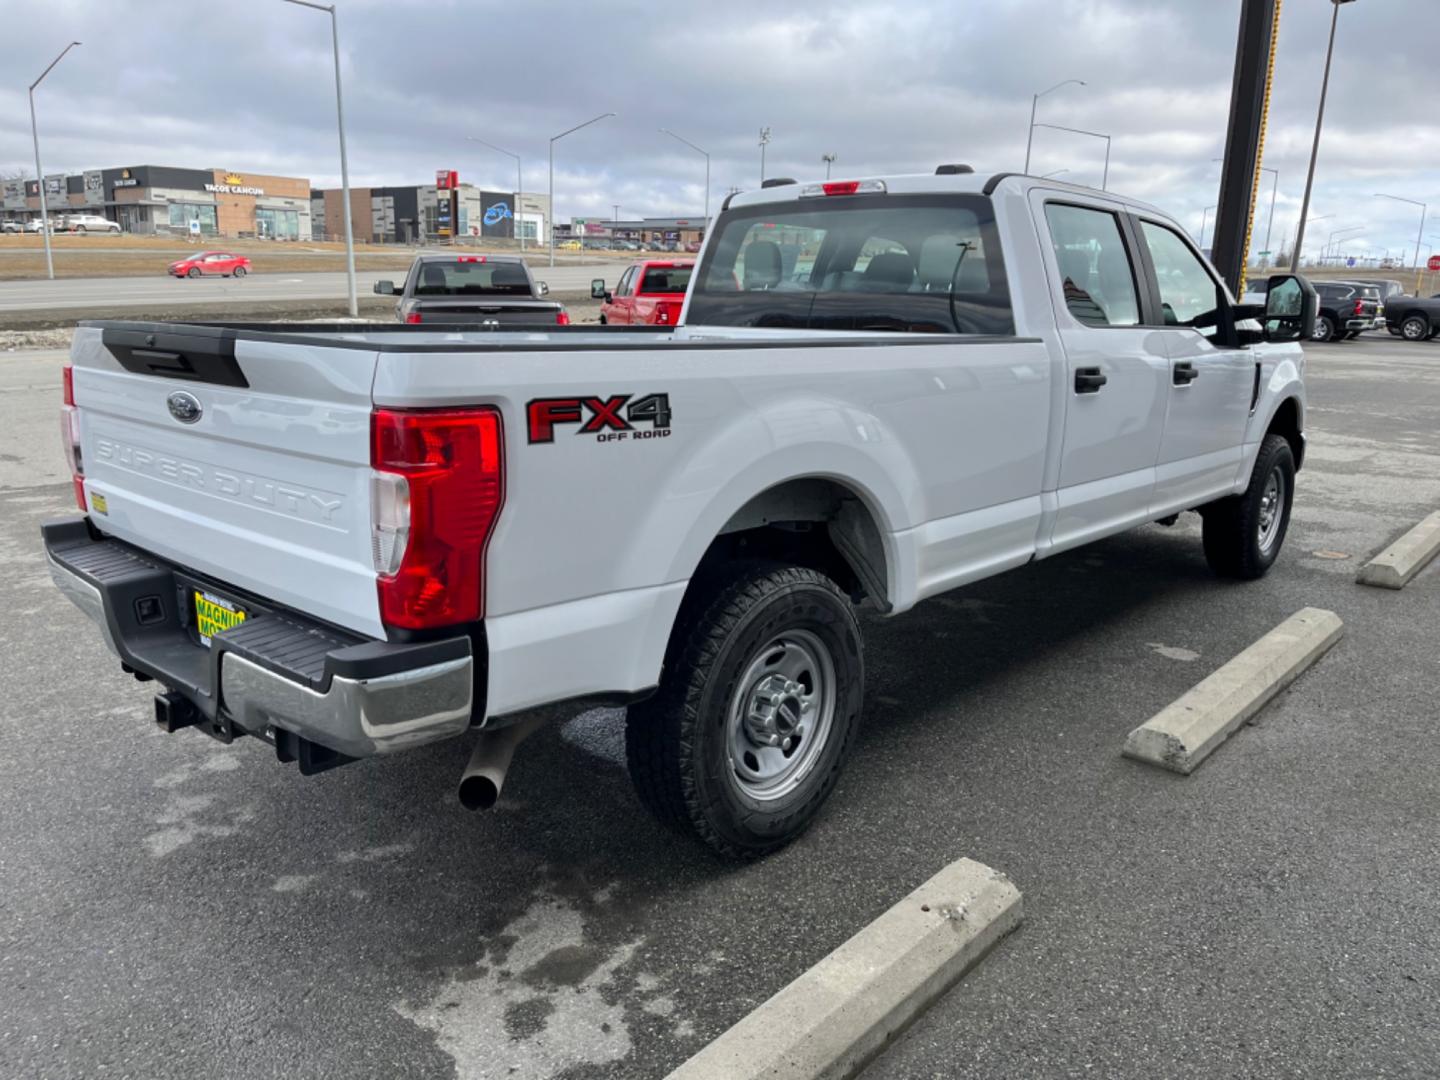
175	908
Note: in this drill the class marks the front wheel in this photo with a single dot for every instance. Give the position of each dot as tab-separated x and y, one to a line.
757	712
1415	328
1243	534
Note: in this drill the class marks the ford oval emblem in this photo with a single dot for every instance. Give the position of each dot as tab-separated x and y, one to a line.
184	406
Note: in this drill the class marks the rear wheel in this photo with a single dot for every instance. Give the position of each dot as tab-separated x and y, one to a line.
1415	328
1324	328
239	271
1243	534
757	712
80	228
602	320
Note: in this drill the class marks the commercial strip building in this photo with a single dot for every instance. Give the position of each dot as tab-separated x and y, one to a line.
407	215
648	232
161	200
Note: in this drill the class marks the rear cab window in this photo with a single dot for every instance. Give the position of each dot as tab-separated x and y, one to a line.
666	279
907	263
1097	276
471	277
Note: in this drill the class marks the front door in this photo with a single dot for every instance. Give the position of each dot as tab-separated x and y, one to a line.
1116	371
1211	387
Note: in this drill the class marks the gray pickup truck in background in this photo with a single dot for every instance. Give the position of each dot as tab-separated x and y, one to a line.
478	290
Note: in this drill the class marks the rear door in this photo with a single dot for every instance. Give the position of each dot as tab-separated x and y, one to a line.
1116	369
1210	387
624	310
245	461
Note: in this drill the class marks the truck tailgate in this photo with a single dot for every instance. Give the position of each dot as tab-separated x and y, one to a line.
265	488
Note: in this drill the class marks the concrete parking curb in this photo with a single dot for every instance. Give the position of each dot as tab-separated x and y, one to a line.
1405	558
838	1015
1186	732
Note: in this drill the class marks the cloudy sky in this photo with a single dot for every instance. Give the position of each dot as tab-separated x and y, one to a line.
886	86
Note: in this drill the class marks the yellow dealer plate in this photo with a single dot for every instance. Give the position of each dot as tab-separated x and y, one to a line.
214	614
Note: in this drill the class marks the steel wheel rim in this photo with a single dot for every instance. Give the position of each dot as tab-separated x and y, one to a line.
1322	330
1413	329
1272	508
781	715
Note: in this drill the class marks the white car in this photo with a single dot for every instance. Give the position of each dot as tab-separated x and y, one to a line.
82	223
351	541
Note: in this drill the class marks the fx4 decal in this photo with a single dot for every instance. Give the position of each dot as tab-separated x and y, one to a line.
609	419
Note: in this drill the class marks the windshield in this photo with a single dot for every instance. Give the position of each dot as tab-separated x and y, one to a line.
466	278
671	279
912	263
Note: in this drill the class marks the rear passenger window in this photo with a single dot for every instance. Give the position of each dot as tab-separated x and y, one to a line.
1096	274
907	263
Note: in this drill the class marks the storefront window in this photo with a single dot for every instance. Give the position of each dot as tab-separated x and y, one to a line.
181	214
277	224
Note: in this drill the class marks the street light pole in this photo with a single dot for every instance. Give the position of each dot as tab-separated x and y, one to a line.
344	166
1419	238
687	142
1315	148
1034	101
39	174
518	181
553	140
764	142
1105	179
828	159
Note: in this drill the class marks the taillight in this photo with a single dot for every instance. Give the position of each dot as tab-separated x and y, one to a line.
436	492
1359	307
562	318
70	436
843	187
412	317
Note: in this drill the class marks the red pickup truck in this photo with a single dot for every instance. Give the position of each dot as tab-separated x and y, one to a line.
651	292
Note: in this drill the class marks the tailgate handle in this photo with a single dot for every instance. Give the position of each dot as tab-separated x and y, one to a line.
194	352
164	361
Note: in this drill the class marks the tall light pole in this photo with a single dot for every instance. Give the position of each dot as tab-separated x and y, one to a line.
828	159
1034	101
553	140
1319	123
518	234
692	146
1094	135
1419	238
39	174
764	142
1322	217
344	166
1329	240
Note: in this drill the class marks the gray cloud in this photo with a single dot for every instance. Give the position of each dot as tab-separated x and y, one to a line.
888	87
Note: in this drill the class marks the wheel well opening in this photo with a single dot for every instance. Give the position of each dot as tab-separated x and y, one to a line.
812	522
1286	424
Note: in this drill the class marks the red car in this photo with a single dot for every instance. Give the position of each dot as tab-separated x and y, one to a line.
211	262
650	293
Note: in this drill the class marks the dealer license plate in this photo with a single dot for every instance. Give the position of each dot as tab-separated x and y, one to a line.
214	614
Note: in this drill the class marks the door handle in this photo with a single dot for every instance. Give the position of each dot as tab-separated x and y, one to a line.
1185	373
1088	380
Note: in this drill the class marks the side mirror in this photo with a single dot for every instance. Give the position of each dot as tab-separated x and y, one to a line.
1291	308
385	288
597	289
542	288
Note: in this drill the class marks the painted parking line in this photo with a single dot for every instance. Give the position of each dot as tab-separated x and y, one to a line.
832	1020
1405	558
1187	731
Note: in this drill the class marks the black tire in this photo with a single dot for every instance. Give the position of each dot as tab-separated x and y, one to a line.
602	320
1238	543
1324	328
239	271
194	271
1415	328
679	742
80	228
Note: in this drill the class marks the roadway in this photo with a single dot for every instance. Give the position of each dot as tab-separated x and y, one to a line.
147	291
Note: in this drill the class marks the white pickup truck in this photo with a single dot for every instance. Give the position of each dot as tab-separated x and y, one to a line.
348	541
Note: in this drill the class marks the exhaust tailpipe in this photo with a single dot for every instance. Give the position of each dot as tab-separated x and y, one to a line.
483	778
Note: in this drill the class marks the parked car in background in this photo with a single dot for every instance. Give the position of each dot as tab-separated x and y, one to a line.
570	245
86	223
1344	310
209	264
1388	287
33	226
12	226
478	290
1415	318
649	293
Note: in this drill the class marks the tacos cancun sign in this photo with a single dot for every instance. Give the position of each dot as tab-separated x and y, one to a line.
233	185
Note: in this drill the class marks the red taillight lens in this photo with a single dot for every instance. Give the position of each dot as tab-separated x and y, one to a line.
841	187
70	435
437	492
412	318
562	318
1359	307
